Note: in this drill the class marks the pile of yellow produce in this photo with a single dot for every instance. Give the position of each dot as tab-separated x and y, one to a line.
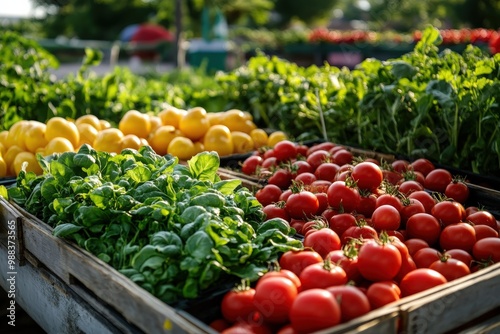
182	133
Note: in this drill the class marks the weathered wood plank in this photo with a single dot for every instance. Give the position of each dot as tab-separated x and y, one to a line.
11	233
51	304
455	304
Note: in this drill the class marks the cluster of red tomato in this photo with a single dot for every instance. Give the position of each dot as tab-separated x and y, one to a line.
372	233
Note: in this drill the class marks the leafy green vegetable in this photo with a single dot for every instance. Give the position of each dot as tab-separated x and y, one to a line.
175	230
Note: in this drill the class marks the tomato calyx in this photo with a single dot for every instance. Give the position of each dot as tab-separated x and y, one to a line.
351	248
243	285
350	182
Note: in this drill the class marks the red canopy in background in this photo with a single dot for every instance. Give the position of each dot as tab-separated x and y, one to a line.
150	33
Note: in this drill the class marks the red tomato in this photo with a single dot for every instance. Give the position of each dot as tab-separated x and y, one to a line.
487	250
458	191
326	146
322	241
450	268
298	225
285	150
339	223
340	195
378	261
322	275
347	261
424	257
382	293
420	280
461	255
400	165
410	186
305	178
438	179
389	199
423	226
415	244
249	166
318	157
353	302
448	212
299	167
268	194
237	305
367	175
425	198
483	218
358	232
323	202
386	217
303	204
484	231
460	235
302	150
342	157
411	206
270	162
282	273
276	210
313	310
282	177
252	327
296	261
392	177
422	165
326	171
367	204
407	265
273	299
219	324
285	194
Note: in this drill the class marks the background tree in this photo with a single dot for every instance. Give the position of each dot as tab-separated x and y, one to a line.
480	13
306	11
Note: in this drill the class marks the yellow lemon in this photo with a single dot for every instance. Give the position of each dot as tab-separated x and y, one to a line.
218	138
171	116
2	149
131	141
198	147
89	119
237	120
136	123
109	140
59	145
275	138
59	127
104	124
17	133
161	138
215	117
259	137
181	147
3	137
9	157
155	122
30	159
35	137
242	142
194	124
88	134
3	167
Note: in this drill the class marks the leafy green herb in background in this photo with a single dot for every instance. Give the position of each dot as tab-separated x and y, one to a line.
441	105
175	230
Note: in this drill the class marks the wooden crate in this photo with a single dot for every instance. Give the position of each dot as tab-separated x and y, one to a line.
85	273
11	236
447	307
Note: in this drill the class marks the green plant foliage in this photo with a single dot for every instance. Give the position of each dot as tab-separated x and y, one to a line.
176	230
